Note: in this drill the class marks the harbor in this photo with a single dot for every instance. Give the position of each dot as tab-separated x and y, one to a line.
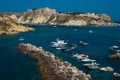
98	49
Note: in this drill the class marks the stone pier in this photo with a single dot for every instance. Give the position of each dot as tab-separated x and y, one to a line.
52	67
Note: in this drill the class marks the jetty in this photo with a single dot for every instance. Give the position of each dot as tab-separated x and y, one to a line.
115	56
52	67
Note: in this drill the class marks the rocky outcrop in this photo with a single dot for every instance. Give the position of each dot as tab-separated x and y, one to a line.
9	26
47	16
52	67
114	56
51	17
36	16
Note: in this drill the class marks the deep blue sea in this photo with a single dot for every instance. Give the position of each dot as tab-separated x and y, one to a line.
16	66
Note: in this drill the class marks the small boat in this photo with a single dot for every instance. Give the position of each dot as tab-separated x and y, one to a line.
75	29
21	39
106	69
87	60
58	48
83	43
90	31
81	56
117	51
54	26
114	48
116	74
92	65
119	41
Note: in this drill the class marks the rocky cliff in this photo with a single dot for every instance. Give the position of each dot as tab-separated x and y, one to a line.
49	16
9	26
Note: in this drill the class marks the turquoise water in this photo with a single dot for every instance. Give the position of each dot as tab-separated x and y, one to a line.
17	66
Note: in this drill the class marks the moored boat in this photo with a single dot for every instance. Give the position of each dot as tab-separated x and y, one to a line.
81	56
83	43
21	39
106	69
113	48
92	65
87	60
116	74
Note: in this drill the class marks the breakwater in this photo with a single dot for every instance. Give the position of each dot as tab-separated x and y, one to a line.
52	67
114	56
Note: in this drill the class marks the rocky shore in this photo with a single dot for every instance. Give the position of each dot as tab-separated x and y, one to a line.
47	16
114	56
52	67
9	26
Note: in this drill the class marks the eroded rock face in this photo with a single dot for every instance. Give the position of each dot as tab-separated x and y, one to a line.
47	16
36	16
9	26
52	67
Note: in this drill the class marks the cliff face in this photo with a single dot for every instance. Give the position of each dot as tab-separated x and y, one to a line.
35	16
49	16
9	26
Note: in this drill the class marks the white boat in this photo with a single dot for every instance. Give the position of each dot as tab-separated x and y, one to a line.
75	29
21	39
83	43
116	74
93	67
106	69
91	64
90	31
54	26
117	51
87	60
58	43
81	56
114	48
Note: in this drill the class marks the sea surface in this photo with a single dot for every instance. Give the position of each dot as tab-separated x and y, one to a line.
14	65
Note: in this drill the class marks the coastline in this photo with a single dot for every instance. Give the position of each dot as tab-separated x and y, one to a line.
52	67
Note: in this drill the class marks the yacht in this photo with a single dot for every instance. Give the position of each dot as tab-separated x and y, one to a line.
58	43
87	60
92	65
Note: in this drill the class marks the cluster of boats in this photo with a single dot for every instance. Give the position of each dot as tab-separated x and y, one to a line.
84	57
63	45
93	65
89	63
116	50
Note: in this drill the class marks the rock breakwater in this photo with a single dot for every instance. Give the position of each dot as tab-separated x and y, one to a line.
114	56
52	67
